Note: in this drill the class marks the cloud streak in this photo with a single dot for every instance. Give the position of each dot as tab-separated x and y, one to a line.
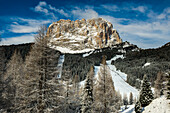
84	13
18	40
49	10
30	26
125	7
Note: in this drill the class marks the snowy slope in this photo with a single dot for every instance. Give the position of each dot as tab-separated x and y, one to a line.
159	105
60	65
120	78
146	64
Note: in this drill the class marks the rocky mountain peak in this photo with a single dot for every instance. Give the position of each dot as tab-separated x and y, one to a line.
83	34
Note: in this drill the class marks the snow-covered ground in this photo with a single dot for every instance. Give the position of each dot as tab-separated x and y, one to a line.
87	54
130	109
60	65
159	105
119	79
146	64
67	50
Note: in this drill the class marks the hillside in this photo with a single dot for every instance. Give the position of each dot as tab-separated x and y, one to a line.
145	61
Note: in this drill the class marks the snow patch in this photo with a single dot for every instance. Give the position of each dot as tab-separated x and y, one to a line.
96	69
122	51
146	64
82	83
87	54
60	65
130	109
159	105
67	50
116	57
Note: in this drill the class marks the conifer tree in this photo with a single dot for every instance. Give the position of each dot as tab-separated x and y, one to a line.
104	90
87	103
146	95
158	91
14	74
138	107
125	100
168	86
131	98
67	92
117	101
42	87
2	85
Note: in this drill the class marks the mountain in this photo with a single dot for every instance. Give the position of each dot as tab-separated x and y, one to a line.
82	35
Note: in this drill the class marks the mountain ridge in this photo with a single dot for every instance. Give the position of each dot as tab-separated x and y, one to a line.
82	34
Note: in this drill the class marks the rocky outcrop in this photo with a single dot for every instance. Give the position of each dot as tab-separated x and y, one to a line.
80	34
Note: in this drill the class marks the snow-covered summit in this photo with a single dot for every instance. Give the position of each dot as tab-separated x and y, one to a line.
82	34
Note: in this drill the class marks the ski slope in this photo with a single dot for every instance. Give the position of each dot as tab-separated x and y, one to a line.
119	78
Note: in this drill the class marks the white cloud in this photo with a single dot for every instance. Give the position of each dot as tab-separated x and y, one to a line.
161	16
167	10
31	25
40	8
116	8
141	9
18	40
165	15
111	7
60	11
48	9
84	13
1	32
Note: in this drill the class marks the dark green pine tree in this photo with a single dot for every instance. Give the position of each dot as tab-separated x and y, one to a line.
146	95
168	86
87	102
138	107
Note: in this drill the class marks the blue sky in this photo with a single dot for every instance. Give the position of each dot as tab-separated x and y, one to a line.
145	23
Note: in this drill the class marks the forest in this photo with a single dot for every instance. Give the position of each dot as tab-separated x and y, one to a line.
29	83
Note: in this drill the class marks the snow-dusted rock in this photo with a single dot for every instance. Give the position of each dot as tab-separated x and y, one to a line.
83	34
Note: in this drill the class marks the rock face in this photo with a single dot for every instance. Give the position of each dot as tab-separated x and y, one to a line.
83	34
